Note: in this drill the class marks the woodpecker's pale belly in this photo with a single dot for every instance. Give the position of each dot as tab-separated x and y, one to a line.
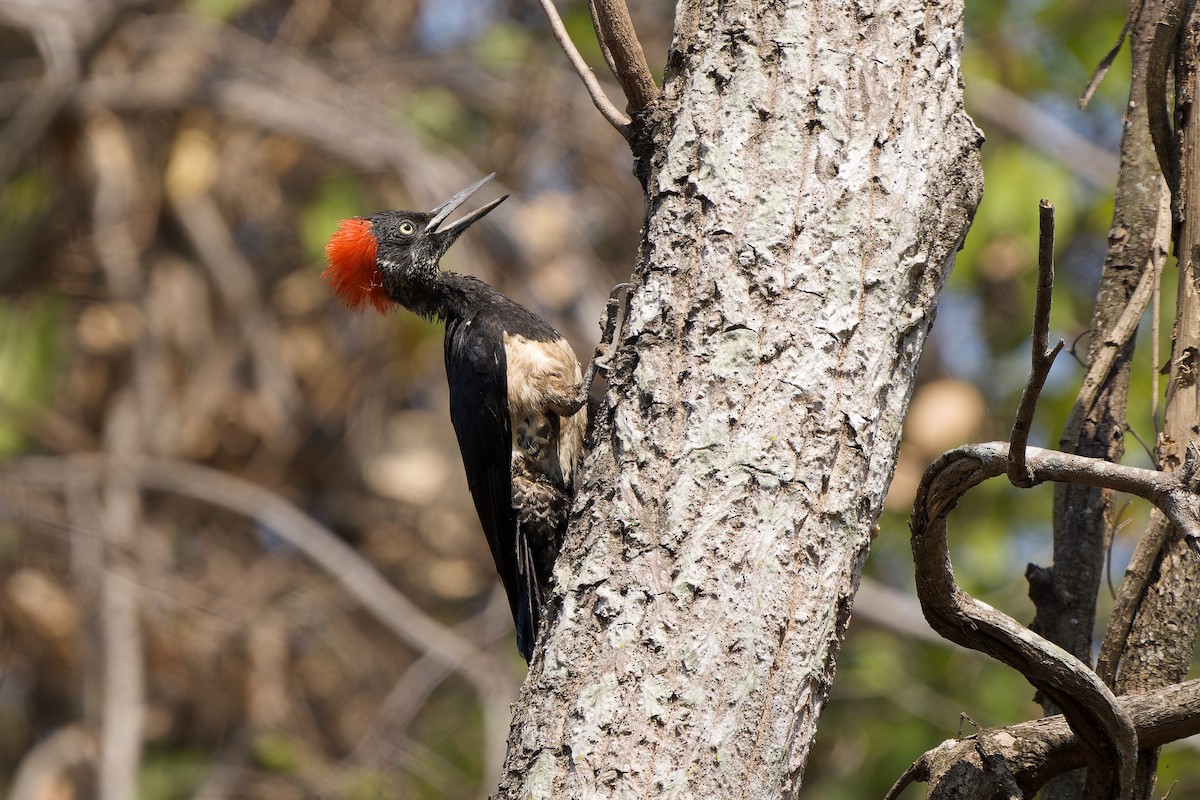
543	443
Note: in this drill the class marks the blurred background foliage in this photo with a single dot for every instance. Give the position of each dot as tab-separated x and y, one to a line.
171	170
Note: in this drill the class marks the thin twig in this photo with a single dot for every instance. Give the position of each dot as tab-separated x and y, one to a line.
1156	354
1102	68
610	112
1042	358
1132	431
1125	326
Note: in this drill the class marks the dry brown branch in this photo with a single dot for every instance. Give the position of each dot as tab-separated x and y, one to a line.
1111	56
1106	351
1162	639
1141	565
623	52
1162	56
618	120
1042	357
1028	754
1070	684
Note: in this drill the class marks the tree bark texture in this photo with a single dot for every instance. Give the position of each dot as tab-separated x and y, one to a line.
810	173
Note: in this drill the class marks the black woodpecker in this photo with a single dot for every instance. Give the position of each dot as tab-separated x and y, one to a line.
517	398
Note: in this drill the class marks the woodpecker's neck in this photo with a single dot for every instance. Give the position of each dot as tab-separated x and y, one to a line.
440	295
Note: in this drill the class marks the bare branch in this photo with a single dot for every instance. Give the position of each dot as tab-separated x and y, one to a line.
1043	358
1127	324
1064	679
1102	68
610	112
1031	753
122	720
1162	55
1139	570
623	52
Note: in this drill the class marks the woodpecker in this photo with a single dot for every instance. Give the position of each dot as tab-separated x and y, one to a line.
517	397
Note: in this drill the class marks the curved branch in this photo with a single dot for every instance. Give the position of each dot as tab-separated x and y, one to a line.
603	104
1162	52
1031	753
1089	705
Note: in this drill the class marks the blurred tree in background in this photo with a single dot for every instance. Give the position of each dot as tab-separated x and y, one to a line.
170	172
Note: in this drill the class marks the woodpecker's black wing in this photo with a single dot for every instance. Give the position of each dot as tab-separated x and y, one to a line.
476	368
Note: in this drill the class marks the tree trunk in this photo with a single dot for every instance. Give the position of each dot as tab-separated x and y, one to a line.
810	173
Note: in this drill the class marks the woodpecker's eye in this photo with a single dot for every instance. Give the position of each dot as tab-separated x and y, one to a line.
407	228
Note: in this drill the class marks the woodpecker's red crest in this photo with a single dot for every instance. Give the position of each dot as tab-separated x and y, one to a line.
353	272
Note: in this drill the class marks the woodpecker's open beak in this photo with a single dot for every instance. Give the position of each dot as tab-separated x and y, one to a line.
447	208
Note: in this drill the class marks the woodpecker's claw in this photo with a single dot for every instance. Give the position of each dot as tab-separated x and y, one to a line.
605	348
610	331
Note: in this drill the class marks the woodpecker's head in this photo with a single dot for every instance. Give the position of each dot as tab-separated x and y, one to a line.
371	259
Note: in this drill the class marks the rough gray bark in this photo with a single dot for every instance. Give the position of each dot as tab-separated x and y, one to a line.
810	173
